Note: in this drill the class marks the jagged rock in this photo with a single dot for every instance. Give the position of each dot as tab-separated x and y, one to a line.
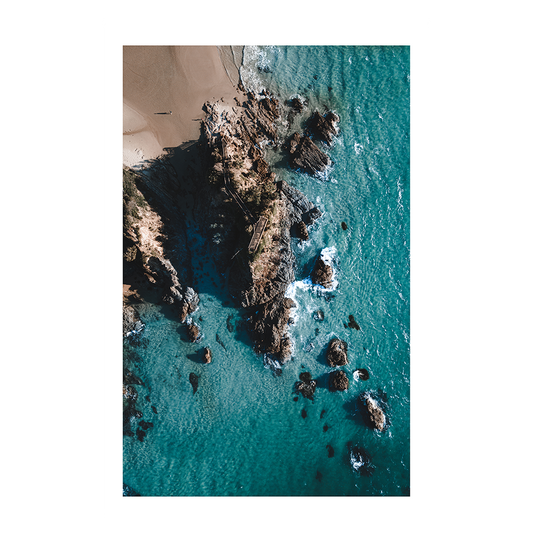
296	104
373	412
131	323
310	216
306	387
322	274
338	381
268	328
337	353
301	231
193	332
207	355
344	226
331	451
323	127
305	155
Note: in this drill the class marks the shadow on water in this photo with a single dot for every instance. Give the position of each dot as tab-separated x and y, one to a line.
176	187
355	412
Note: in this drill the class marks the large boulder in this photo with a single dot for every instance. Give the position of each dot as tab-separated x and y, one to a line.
322	274
301	231
193	332
337	354
373	412
338	381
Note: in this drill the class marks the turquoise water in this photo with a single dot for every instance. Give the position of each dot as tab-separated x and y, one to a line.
242	433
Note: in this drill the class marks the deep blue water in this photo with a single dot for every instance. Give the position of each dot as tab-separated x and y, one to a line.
242	433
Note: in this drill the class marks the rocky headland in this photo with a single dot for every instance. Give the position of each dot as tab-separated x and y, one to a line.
235	137
222	186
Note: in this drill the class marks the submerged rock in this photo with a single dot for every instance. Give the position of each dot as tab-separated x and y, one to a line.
337	354
338	381
318	315
352	323
331	451
344	226
360	460
193	380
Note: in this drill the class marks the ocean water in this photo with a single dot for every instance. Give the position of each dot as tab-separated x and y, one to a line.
242	433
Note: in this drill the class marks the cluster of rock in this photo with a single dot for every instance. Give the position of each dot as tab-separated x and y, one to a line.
304	154
260	282
337	355
154	250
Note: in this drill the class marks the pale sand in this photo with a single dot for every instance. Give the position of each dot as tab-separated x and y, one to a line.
180	79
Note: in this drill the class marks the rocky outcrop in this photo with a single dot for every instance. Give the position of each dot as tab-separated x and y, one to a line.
154	237
235	137
322	274
338	381
305	155
373	412
193	332
337	354
269	326
306	387
323	127
131	322
301	232
207	355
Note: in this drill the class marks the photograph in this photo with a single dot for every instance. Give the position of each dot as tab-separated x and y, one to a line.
266	271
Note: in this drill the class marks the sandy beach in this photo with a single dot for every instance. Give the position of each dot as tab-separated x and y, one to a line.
176	79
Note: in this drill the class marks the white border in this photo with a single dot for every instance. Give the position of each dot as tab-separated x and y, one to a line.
417	33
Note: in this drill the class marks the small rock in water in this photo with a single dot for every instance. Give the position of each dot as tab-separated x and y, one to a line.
338	381
193	380
325	428
318	315
331	451
193	332
295	399
140	434
322	413
344	226
318	476
304	413
352	323
154	409
207	355
337	354
362	374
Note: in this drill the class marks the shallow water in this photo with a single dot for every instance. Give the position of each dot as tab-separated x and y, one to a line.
242	433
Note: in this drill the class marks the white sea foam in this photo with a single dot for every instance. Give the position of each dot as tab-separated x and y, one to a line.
358	148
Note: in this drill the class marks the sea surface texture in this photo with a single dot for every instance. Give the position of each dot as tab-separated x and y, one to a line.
242	433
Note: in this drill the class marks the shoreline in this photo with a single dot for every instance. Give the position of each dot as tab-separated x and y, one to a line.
180	79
